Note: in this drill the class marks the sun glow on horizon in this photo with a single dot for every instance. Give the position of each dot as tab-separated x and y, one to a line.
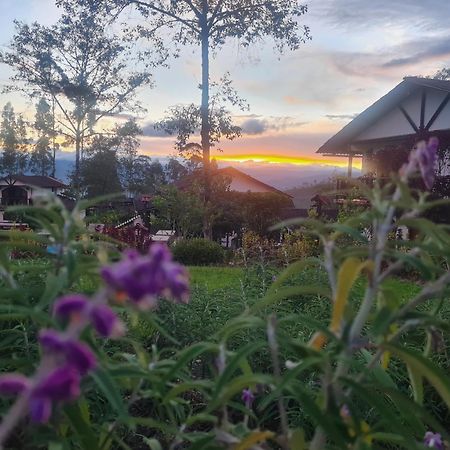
284	159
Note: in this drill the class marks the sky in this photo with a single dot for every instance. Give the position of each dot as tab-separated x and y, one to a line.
360	49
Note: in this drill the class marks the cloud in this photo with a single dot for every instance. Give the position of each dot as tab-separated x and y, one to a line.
420	51
253	125
429	15
412	57
340	116
149	130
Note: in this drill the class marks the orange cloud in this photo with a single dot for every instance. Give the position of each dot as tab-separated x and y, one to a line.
283	159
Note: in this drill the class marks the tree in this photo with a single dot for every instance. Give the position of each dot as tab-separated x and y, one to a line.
78	66
185	121
178	210
42	161
210	23
14	141
442	74
175	171
99	170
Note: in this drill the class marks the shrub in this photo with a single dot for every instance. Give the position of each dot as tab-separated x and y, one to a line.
198	252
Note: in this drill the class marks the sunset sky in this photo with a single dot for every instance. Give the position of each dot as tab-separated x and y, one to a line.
360	50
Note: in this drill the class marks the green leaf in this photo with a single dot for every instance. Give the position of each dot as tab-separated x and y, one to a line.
416	384
347	275
111	391
425	368
153	444
297	440
83	429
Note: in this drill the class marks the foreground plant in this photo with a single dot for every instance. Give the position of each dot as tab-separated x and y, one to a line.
65	358
331	357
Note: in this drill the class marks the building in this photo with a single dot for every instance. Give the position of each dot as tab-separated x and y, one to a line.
413	110
241	182
19	189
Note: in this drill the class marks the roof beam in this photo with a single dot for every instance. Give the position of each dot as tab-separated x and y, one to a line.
422	109
437	112
408	118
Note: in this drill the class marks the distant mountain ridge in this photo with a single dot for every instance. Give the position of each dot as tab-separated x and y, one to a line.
281	176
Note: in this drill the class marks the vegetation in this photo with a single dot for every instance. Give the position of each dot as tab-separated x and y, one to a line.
332	352
201	252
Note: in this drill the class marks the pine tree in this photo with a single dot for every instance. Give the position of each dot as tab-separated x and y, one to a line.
14	142
42	160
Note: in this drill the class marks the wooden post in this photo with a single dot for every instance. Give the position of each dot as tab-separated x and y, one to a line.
350	165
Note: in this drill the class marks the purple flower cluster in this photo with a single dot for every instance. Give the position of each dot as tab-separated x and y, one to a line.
424	159
433	440
65	358
248	398
144	278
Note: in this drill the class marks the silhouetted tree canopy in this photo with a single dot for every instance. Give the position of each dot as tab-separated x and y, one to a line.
79	65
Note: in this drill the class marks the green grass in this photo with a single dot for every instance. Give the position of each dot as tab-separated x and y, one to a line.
213	278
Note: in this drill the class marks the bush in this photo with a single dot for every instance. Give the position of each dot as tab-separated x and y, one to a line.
198	252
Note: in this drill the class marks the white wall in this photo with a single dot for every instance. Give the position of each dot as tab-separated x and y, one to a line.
394	122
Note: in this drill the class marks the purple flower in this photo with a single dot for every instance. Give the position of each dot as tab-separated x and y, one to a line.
70	305
425	158
433	440
345	412
13	384
75	353
52	341
106	322
63	384
40	409
80	356
248	398
60	385
144	278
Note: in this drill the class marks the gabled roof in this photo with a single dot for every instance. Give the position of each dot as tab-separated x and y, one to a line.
338	144
233	172
35	180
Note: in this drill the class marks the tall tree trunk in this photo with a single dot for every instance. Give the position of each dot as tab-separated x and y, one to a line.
205	128
77	165
53	139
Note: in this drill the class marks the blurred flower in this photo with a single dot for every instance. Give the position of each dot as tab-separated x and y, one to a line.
433	440
51	341
80	356
424	159
248	398
144	278
70	305
76	354
13	384
345	413
106	322
61	385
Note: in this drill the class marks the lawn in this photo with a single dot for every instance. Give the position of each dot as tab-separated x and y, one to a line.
213	278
